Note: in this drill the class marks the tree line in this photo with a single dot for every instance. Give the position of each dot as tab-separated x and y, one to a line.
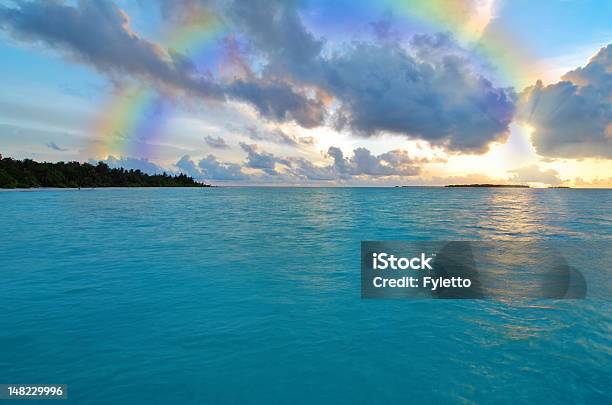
28	173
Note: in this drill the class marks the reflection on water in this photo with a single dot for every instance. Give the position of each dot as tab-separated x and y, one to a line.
526	214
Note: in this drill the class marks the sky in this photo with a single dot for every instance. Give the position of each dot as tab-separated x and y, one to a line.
387	92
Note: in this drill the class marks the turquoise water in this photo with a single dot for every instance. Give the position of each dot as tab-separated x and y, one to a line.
252	295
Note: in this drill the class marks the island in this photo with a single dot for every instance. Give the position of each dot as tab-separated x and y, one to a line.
30	174
489	185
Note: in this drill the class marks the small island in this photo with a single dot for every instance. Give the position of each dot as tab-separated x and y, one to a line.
489	185
30	174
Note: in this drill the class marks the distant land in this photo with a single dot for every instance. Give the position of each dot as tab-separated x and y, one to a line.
30	174
489	185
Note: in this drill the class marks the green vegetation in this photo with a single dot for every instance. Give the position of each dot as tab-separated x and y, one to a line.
28	173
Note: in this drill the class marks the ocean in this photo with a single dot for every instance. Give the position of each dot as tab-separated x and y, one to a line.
252	295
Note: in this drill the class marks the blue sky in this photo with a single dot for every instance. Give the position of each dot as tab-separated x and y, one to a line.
557	28
313	92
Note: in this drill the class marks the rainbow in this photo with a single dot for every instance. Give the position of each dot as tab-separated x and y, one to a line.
467	25
496	46
133	118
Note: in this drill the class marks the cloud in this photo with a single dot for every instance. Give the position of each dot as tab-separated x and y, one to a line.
54	146
215	170
275	29
596	182
383	88
436	96
596	73
278	101
142	164
436	47
176	10
393	163
572	118
273	136
216	143
361	163
382	28
303	168
533	174
209	168
261	160
431	91
306	140
187	166
361	166
98	33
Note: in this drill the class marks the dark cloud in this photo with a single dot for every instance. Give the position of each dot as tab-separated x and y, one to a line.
533	173
431	91
275	28
383	88
54	146
217	143
435	95
278	101
98	33
573	118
